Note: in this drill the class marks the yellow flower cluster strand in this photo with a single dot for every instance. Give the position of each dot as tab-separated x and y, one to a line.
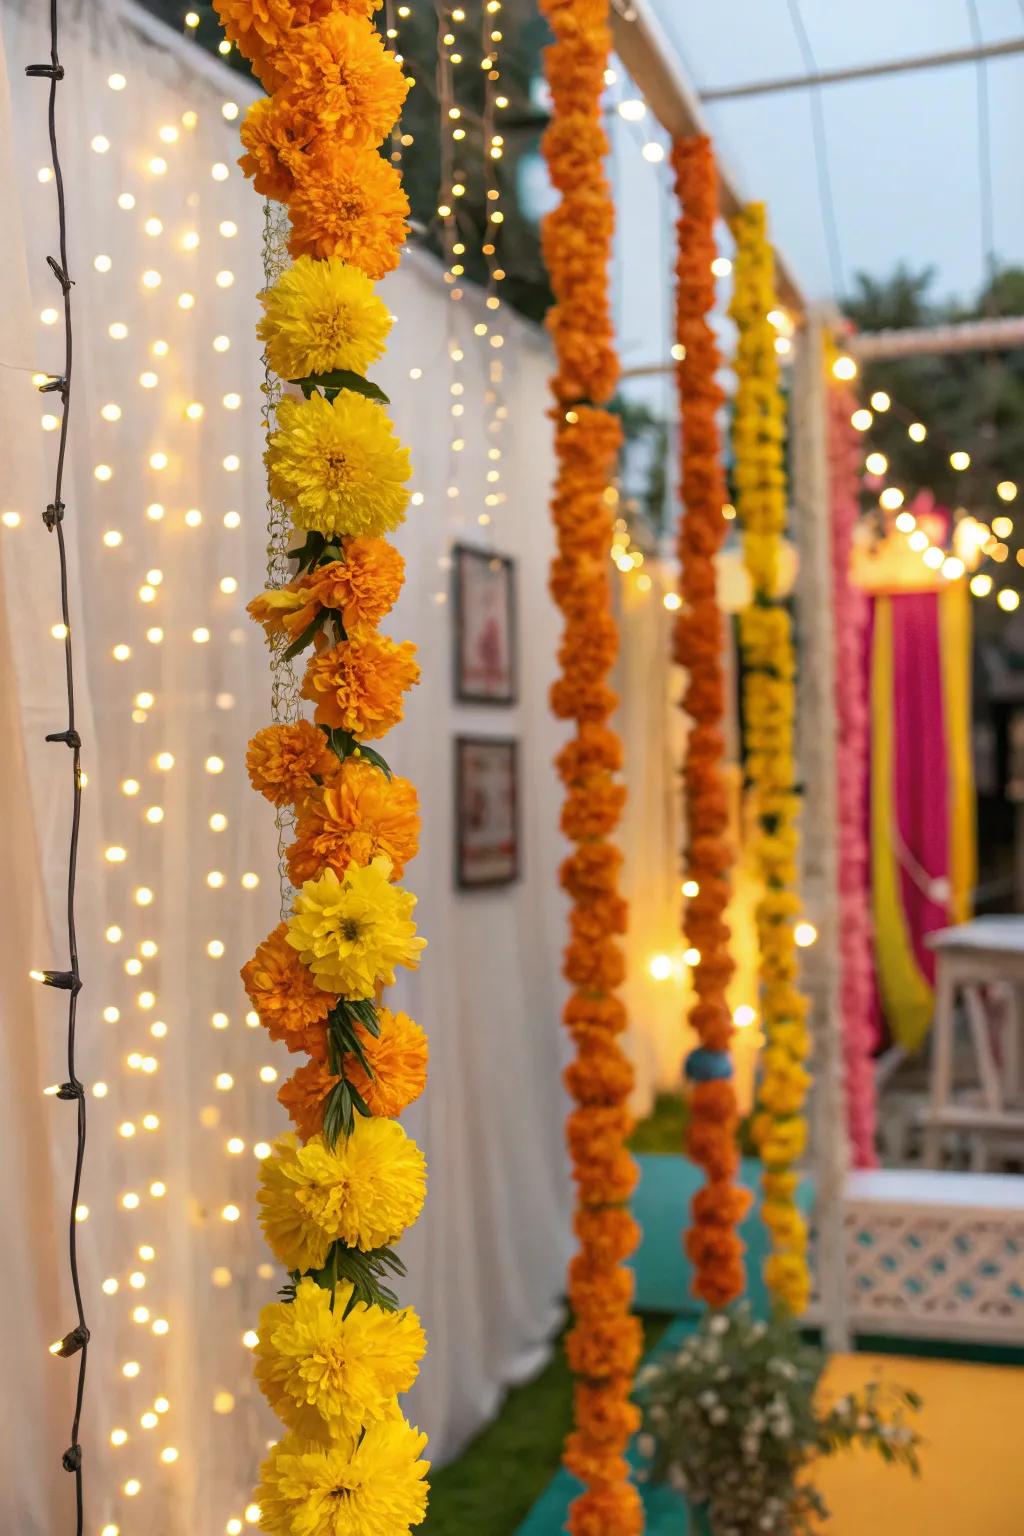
337	1194
769	698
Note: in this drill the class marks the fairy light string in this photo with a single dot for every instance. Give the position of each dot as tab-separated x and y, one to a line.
76	1342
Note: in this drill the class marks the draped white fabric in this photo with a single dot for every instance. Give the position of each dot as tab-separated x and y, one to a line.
487	1259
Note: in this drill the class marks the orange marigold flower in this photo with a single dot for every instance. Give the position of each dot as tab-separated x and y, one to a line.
398	1058
604	1413
593	749
595	1288
598	967
592	1463
349	202
608	1236
282	990
363	587
358	686
285	761
276	134
613	1506
303	1096
360	814
583	1012
591	811
606	1346
341	68
601	1074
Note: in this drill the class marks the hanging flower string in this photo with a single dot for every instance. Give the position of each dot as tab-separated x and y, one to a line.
769	700
851	617
336	1196
712	1242
604	1344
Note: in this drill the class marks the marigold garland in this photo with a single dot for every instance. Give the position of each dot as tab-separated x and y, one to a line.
769	700
712	1243
603	1346
335	1198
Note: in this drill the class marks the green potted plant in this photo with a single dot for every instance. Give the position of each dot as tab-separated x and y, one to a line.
734	1421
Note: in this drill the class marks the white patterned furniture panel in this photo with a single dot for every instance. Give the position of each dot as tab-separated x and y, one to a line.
934	1254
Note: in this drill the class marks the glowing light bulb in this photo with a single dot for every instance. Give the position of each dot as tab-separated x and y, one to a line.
959	460
100	143
116	81
115	854
876	463
632	110
660	967
223	1402
215	879
844	368
906	522
261	1150
804	934
201	635
221	343
102	263
744	1016
218	821
1008	599
952	567
250	1338
130	1369
219	171
103	472
691	956
880	401
268	1074
231	462
891	498
230	1213
1002	526
110	1286
981	584
224	1081
250	880
154	226
143	896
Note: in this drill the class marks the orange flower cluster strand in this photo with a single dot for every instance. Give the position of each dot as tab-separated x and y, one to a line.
712	1242
604	1344
335	1354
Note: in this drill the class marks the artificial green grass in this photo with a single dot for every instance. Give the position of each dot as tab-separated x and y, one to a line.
664	1129
496	1481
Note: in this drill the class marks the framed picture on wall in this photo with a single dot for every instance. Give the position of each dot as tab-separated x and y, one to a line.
485	626
486	811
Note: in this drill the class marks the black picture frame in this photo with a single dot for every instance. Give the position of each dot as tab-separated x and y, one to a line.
479	866
474	573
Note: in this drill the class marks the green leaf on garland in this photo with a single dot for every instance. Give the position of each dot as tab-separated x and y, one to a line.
375	758
342	378
307	636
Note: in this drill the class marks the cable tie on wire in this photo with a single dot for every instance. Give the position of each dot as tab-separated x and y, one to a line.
71	1461
45	71
71	738
54	513
71	1091
59	273
69	1345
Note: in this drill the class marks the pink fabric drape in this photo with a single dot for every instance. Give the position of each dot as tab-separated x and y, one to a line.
921	785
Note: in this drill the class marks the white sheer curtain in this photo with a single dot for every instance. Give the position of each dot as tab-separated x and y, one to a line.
487	1259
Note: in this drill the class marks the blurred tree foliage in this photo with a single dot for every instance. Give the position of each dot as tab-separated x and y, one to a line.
967	400
521	124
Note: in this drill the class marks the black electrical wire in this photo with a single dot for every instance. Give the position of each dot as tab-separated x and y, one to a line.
77	1341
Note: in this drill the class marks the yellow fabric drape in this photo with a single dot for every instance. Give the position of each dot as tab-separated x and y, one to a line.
955	647
905	992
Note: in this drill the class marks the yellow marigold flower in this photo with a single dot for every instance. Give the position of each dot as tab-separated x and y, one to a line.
364	1193
398	1057
337	465
352	1487
341	68
358	686
285	761
259	28
349	202
326	1367
322	315
361	814
352	932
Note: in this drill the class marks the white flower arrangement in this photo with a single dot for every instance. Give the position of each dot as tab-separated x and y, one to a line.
734	1418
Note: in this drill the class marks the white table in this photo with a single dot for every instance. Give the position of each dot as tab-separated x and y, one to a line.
969	958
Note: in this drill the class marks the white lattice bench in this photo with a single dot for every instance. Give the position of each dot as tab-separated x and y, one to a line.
935	1255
